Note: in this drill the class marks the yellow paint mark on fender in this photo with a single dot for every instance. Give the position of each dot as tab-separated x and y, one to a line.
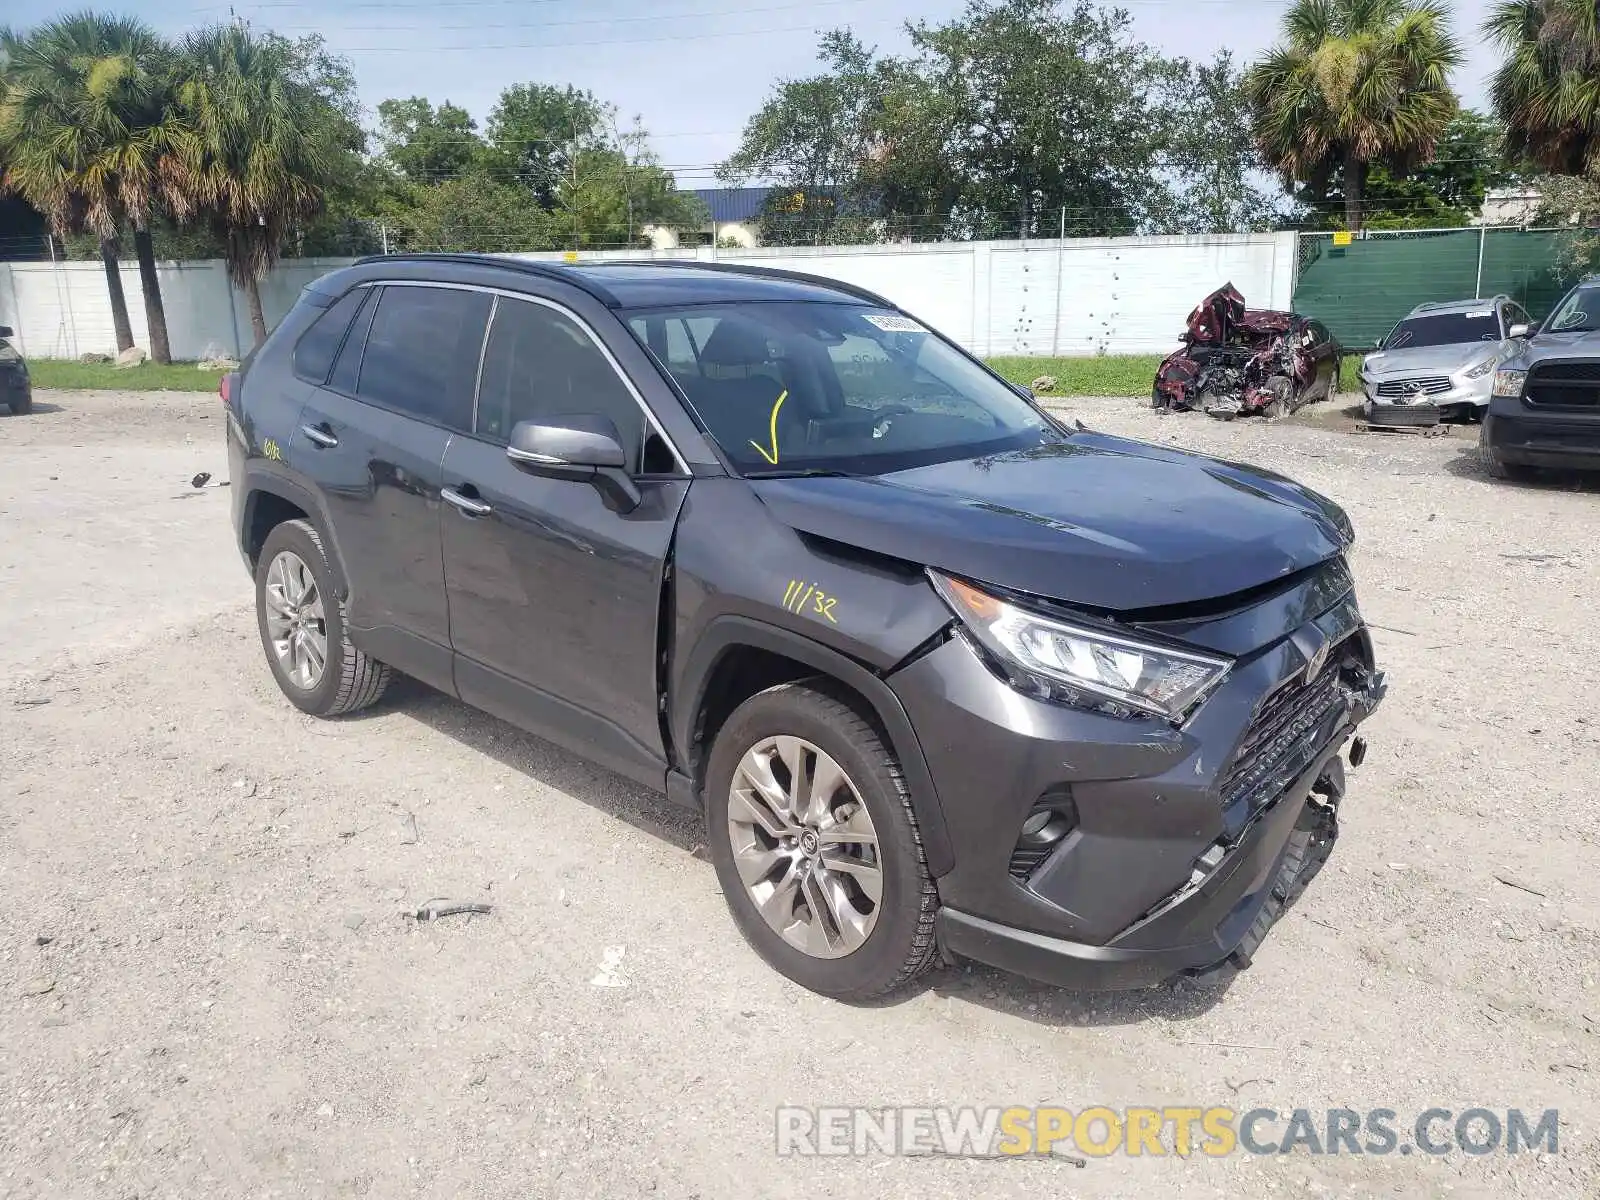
762	450
803	599
269	449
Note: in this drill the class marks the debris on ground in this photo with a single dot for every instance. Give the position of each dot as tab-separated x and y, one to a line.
220	362
92	357
131	357
432	910
1044	383
39	985
1239	361
200	480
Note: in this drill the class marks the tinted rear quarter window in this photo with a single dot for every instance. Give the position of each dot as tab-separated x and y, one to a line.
314	352
421	355
347	367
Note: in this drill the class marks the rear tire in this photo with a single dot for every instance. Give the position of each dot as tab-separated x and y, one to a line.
898	943
21	405
346	680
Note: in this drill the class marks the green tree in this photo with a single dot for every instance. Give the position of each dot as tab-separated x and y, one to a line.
819	141
88	135
1446	192
271	131
1354	83
1211	160
473	212
536	132
426	144
1548	89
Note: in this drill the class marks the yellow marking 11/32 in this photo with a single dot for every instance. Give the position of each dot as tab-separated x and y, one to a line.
804	599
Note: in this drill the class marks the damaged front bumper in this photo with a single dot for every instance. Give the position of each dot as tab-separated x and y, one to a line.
1182	846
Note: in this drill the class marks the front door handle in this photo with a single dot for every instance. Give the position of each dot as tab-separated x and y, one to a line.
320	435
473	508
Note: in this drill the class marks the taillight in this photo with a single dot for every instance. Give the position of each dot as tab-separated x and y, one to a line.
225	388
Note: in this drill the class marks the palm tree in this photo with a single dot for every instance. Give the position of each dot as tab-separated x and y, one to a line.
263	149
1548	89
85	132
1355	82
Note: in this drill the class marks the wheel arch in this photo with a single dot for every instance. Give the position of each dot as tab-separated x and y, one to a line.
735	657
270	500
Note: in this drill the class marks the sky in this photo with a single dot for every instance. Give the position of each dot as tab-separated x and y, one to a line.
693	70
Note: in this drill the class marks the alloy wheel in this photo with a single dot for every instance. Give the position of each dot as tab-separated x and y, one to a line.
297	624
805	847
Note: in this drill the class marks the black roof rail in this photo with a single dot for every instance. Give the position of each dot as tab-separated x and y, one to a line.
837	285
526	266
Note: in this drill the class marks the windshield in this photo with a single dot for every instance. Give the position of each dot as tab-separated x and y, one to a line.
812	386
1444	329
1578	312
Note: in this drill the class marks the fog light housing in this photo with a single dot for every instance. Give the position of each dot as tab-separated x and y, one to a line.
1052	818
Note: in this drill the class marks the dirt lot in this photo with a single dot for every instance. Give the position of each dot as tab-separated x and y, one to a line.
207	986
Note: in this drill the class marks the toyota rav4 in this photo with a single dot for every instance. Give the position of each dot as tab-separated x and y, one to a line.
946	676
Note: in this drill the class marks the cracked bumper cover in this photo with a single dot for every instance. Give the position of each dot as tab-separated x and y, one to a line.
1098	930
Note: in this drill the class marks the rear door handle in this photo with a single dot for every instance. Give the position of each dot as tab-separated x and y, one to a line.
473	508
320	435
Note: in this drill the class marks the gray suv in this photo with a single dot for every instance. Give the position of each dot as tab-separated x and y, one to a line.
1438	363
944	675
1546	406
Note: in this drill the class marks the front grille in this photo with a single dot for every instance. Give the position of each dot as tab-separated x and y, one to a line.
1564	385
1403	414
1284	737
1404	389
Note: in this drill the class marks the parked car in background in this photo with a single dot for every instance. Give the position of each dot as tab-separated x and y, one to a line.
943	674
16	389
1239	361
1438	363
1545	404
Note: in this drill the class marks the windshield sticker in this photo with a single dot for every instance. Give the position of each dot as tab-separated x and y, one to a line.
772	456
893	324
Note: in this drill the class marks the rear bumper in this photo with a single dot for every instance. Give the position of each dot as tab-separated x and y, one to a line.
1212	928
1557	439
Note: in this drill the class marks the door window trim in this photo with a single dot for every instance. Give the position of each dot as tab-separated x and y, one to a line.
496	293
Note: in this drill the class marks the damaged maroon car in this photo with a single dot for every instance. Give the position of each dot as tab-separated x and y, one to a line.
1239	361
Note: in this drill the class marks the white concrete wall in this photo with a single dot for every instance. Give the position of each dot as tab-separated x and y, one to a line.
1074	297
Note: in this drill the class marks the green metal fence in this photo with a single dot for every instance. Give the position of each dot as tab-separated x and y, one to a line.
1359	291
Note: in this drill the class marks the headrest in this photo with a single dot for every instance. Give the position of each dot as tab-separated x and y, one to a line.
735	342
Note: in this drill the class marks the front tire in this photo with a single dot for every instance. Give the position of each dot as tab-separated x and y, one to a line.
302	625
21	405
1497	468
811	831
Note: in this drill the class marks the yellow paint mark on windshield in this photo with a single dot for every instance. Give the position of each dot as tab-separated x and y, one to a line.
772	457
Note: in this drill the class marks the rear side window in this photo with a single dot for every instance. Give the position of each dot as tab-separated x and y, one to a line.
314	352
422	351
347	367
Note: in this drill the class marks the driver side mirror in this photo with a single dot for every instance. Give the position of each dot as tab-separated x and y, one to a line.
582	447
5	331
1519	330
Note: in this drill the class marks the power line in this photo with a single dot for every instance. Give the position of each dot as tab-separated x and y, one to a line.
479	47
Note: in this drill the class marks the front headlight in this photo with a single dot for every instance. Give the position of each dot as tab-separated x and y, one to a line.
1079	665
1483	368
1509	383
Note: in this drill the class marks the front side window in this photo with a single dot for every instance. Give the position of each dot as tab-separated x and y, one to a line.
1578	312
1444	329
422	351
540	364
807	385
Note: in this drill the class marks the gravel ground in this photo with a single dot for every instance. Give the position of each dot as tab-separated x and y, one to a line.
207	986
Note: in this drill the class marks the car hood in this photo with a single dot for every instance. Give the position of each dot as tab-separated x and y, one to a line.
1563	345
1096	521
1444	360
